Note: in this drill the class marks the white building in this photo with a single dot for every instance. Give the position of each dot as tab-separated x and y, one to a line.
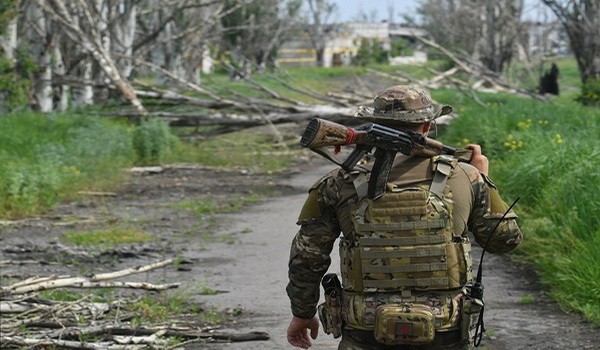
344	43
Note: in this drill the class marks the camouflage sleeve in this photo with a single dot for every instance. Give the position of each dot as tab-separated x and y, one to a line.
309	254
488	209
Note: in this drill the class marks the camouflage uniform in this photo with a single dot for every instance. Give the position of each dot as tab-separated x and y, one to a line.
329	211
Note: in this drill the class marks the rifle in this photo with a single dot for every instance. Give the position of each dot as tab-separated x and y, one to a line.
386	141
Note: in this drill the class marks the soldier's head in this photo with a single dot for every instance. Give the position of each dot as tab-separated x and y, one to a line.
403	107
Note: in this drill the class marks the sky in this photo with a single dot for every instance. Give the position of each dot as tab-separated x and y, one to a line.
348	10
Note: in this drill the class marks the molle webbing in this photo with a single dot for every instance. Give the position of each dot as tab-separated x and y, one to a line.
404	240
402	226
406	282
401	241
404	268
367	253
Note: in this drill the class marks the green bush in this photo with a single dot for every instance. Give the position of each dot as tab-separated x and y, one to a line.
14	88
152	140
370	51
590	93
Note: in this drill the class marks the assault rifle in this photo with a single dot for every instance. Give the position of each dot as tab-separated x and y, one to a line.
386	141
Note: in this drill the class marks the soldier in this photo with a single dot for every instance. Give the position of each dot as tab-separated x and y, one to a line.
406	263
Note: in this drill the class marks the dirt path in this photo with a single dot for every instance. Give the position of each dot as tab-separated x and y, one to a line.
246	259
519	314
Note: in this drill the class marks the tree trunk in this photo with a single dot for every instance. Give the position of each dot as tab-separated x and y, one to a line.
38	42
581	21
61	92
123	31
91	44
8	40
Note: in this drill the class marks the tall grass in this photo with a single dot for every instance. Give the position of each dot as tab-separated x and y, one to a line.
548	154
44	159
47	158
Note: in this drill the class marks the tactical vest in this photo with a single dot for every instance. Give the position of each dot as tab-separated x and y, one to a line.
404	249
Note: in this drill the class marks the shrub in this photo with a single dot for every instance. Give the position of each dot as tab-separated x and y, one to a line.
152	140
590	93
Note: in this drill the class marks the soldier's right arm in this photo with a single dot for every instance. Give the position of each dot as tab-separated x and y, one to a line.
488	209
311	247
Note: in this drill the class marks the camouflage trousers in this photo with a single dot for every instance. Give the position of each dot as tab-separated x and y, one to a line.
364	340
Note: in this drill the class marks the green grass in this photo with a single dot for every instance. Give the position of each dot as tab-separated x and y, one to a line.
254	151
107	237
158	308
527	299
47	158
546	153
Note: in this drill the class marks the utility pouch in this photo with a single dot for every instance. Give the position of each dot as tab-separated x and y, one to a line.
330	312
470	311
404	324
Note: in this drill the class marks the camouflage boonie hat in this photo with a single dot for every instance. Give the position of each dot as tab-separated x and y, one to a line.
402	104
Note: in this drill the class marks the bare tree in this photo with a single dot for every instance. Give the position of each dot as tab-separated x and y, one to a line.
487	30
91	42
253	31
581	21
502	25
319	13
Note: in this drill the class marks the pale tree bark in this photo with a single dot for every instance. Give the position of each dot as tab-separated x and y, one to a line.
39	40
581	21
61	91
8	40
123	33
82	94
57	10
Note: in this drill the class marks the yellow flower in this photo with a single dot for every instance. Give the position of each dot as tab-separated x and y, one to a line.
558	139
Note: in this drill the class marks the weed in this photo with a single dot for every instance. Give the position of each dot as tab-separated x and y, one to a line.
152	141
108	237
213	317
205	290
527	299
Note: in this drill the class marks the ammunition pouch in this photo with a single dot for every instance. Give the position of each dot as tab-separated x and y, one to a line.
411	324
470	311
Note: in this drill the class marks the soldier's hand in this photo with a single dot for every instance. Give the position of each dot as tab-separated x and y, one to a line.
479	160
297	332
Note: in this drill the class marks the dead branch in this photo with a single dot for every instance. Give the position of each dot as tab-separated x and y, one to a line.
97	193
54	282
67	344
479	72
